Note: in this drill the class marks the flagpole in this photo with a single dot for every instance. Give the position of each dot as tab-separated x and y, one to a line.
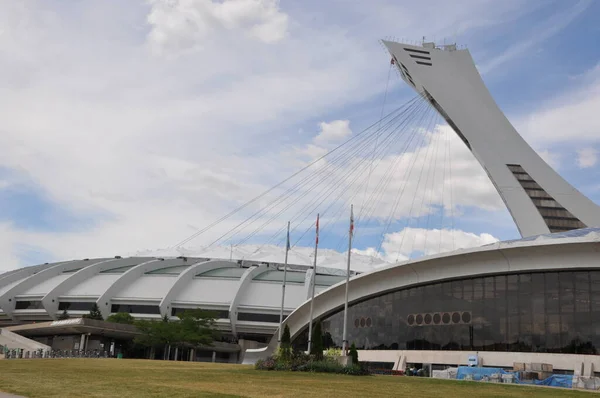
312	297
287	249
350	232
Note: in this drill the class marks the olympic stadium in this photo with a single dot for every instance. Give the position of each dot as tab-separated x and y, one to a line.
535	299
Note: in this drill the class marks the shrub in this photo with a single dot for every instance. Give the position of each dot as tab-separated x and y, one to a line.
265	364
303	363
355	370
333	352
316	348
354	354
285	348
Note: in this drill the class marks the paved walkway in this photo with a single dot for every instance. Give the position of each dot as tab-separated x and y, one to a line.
7	395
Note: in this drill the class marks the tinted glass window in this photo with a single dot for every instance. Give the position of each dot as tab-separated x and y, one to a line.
75	306
530	312
135	309
29	305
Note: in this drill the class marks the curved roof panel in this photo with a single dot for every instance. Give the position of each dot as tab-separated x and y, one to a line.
93	286
200	290
46	286
148	287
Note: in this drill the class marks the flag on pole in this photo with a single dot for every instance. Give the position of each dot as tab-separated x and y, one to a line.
351	221
317	241
287	246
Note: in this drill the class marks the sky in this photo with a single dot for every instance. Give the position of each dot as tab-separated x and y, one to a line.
129	126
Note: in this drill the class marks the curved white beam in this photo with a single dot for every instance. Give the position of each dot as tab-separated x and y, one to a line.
50	300
245	280
487	260
186	276
7	301
21	273
104	301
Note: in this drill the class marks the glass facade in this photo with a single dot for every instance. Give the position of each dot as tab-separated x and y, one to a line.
75	306
135	309
248	316
528	312
29	305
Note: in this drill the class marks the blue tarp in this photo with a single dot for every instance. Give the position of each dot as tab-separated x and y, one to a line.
479	373
565	381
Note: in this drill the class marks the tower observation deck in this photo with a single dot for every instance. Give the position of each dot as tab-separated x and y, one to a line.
538	198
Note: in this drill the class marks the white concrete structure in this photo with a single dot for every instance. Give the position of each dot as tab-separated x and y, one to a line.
559	252
246	294
539	200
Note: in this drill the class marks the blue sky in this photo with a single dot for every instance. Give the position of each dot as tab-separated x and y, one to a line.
129	126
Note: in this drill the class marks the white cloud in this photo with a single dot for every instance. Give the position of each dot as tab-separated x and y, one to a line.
147	145
186	25
552	158
9	258
400	245
333	132
587	157
568	117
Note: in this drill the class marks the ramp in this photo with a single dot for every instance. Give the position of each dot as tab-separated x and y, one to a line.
12	340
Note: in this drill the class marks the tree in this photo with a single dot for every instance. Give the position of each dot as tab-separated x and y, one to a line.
94	313
64	315
195	328
121	317
285	347
316	347
353	354
286	340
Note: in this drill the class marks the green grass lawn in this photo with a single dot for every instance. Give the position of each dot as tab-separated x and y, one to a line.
140	378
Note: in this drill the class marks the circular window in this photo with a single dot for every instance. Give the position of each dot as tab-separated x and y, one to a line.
356	322
362	322
446	318
455	317
410	319
437	318
369	322
427	318
419	319
466	317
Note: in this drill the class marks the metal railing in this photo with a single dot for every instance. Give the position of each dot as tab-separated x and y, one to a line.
17	353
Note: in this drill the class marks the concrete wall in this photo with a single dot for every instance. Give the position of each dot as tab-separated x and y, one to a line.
583	365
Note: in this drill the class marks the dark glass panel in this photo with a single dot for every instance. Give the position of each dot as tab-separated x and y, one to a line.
218	314
135	309
271	318
75	306
29	305
529	312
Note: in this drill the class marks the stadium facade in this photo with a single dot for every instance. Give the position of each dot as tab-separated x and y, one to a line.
245	295
532	300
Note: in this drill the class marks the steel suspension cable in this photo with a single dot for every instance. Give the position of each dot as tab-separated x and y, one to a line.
239	208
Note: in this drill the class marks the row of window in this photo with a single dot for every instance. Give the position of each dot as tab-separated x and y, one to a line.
247	316
144	309
532	312
218	314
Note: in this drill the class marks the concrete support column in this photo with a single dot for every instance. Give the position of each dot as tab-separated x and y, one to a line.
214	357
82	342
